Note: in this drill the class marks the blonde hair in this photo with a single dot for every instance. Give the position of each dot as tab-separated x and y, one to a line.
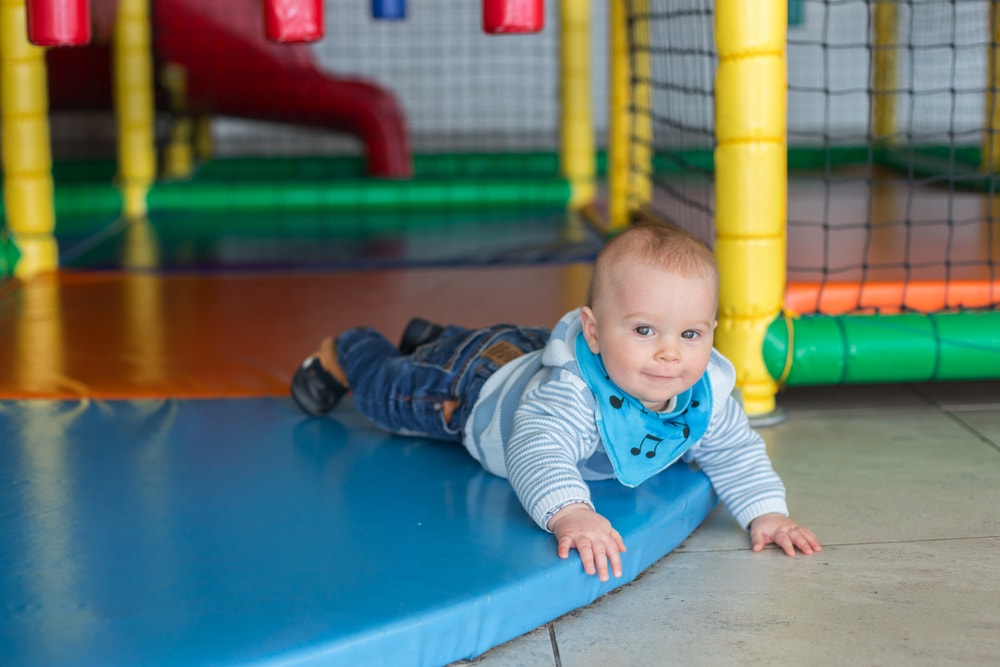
656	244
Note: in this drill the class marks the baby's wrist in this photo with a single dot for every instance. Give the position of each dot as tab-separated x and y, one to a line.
562	509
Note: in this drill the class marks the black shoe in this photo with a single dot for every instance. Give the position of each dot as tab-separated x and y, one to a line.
314	390
418	332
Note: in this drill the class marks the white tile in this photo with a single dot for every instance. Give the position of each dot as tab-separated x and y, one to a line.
888	475
922	603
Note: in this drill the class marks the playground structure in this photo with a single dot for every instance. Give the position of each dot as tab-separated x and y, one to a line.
198	62
234	510
883	267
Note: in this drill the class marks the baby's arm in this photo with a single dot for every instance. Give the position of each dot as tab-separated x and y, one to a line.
734	457
553	431
778	529
576	526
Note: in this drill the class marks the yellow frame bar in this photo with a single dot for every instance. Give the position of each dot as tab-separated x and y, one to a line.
577	153
990	159
751	174
619	120
134	107
27	152
884	70
630	128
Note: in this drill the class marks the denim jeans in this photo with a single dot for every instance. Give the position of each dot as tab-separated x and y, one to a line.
406	394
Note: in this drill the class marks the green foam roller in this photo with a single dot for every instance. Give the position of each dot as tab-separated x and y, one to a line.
909	347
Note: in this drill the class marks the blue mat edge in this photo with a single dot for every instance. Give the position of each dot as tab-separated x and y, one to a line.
651	540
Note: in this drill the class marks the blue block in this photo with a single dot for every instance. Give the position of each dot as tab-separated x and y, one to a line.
389	9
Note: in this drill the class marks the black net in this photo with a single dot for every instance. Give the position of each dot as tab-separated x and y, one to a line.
672	60
899	218
888	207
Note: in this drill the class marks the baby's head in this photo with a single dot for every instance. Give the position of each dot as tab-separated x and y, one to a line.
651	311
653	244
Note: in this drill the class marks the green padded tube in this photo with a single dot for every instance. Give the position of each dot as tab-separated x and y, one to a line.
911	347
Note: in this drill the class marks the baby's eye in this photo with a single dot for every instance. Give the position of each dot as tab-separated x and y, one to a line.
643	330
690	334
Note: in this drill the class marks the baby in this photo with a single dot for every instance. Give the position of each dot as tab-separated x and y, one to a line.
620	388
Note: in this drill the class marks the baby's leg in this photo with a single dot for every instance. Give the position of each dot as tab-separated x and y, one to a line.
405	394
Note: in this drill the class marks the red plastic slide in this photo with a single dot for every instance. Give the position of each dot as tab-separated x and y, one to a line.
232	70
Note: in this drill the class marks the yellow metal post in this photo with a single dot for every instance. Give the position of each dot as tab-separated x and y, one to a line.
884	70
178	154
641	167
134	108
577	126
751	186
27	156
619	120
629	126
990	159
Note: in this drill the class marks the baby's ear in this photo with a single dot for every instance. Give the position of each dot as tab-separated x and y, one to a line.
589	322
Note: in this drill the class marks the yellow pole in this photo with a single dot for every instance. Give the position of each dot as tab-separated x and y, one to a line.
178	154
629	126
884	71
133	81
641	168
990	159
577	150
27	156
619	120
204	146
751	186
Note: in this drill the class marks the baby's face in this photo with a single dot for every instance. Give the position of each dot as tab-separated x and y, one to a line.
654	331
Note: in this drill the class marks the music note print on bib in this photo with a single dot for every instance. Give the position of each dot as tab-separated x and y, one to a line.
651	453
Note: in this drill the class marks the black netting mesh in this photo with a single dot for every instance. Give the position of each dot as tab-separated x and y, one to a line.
911	211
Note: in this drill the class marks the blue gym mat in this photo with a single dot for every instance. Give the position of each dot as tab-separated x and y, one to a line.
207	532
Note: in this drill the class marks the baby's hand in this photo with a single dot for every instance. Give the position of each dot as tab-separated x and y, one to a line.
598	543
778	529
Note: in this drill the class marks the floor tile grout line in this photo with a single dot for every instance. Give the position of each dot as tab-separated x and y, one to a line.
842	544
970	429
969	407
555	645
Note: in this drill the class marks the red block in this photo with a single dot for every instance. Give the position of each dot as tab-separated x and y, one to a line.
58	22
513	16
293	20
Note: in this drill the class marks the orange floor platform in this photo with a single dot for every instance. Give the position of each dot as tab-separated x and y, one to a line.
132	335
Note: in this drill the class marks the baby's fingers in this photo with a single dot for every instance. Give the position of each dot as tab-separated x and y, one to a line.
806	541
799	537
595	557
592	563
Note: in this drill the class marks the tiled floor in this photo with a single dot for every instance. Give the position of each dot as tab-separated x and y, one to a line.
901	483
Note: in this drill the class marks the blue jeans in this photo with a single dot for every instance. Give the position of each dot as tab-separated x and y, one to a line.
407	394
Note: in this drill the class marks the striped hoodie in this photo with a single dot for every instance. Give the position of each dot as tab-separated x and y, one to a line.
534	424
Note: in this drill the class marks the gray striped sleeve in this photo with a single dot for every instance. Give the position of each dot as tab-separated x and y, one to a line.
553	431
735	459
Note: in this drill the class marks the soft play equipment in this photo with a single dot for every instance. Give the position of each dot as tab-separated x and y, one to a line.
222	48
58	22
163	502
180	532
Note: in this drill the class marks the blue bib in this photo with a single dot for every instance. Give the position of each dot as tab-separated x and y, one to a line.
641	443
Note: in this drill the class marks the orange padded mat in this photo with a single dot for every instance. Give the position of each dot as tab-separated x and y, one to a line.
132	335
